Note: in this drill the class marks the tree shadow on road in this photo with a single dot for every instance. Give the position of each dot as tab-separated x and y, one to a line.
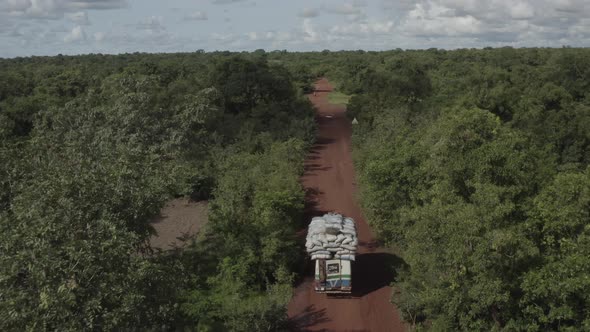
310	168
321	143
370	246
308	318
312	202
372	271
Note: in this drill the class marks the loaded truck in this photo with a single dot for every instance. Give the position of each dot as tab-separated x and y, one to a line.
331	243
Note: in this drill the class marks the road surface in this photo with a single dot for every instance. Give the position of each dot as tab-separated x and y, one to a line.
329	181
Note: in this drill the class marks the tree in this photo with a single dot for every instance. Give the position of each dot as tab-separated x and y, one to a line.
555	288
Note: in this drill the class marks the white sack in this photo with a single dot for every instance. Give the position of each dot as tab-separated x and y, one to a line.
348	231
349	247
315	248
320	256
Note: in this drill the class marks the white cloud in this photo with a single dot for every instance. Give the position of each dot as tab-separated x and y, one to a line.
94	4
353	24
355	30
309	33
397	5
252	35
152	24
309	13
16	33
76	35
80	18
344	9
358	18
54	9
571	5
99	36
197	16
522	11
225	2
6	25
492	22
360	3
264	36
33	9
581	29
436	20
431	23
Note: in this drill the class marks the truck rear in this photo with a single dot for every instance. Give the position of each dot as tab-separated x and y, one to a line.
332	242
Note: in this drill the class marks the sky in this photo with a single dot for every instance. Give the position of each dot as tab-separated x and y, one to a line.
50	27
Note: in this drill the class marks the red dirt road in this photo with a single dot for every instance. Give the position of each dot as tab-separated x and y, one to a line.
329	180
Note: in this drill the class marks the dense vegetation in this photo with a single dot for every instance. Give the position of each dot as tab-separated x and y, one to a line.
475	164
91	148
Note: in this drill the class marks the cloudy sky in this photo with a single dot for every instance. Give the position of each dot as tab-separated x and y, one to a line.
49	27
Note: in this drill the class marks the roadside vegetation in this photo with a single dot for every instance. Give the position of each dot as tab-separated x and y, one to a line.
338	98
475	164
93	146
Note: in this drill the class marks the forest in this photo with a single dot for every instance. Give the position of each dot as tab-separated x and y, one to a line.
472	165
93	146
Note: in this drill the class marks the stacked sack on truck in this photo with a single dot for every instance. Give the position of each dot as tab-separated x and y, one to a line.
331	236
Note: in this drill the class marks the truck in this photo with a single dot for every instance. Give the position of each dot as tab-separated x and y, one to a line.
332	243
333	276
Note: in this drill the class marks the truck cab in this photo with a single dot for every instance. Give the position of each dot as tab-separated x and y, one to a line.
333	276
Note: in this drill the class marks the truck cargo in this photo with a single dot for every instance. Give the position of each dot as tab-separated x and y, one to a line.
331	243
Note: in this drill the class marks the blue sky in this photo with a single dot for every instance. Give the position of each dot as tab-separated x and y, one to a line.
49	27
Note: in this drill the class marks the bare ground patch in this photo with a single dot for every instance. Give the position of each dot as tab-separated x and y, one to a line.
179	221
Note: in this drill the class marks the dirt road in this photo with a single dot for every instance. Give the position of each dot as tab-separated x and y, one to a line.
330	183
